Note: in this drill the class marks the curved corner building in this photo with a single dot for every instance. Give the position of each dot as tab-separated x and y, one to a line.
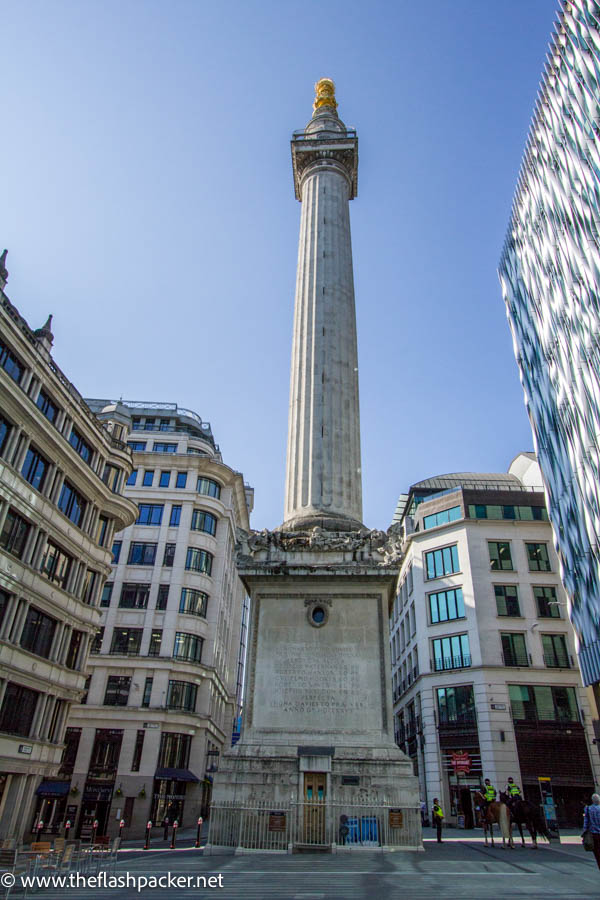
550	276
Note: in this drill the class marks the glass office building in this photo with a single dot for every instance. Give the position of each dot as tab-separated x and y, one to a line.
550	276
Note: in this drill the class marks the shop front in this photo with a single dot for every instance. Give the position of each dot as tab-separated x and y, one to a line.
50	807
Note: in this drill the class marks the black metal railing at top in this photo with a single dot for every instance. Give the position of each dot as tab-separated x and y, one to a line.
461	720
558	661
452	662
313	136
515	659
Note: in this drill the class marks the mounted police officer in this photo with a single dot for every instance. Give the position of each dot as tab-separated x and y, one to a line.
513	791
488	793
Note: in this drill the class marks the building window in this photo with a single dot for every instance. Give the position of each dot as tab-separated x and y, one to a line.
137	446
555	651
514	649
117	690
174	750
507	599
165	425
537	556
500	558
134	596
102	530
97	642
543	703
56	565
132	478
199	560
169	556
71	503
164	448
35	468
175	516
5	429
137	750
163	596
150	514
72	739
446	605
38	632
147	692
141	554
155	642
204	521
150	425
86	690
451	652
18	710
45	403
182	695
73	652
442	518
165	478
14	534
89	586
11	363
116	552
80	445
148	477
442	562
181	480
456	705
188	647
192	602
126	641
518	513
209	487
547	604
4	604
111	477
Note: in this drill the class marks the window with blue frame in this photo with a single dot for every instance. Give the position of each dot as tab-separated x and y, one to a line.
164	448
116	551
199	561
518	513
35	468
47	406
446	605
141	554
132	478
451	652
442	518
150	514
5	429
148	477
71	503
80	445
11	364
181	480
165	479
175	516
209	487
442	562
137	446
204	521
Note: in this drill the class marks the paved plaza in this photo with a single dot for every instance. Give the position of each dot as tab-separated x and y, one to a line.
461	867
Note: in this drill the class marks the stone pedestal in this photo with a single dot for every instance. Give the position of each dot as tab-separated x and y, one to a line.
317	738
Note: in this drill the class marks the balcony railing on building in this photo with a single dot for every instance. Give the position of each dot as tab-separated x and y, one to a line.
452	662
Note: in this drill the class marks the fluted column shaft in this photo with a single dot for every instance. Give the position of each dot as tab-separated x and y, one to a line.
323	463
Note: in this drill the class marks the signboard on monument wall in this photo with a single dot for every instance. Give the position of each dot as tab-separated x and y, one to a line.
277	821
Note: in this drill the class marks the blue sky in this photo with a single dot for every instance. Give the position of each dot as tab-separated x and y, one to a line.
147	202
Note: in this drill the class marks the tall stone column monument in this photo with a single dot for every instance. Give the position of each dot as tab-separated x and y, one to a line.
317	764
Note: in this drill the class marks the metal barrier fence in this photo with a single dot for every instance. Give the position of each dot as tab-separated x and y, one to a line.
317	823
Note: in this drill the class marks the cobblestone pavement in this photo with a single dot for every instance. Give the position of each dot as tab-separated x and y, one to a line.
461	867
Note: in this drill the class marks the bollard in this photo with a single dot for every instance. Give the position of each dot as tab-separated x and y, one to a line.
94	830
165	829
39	828
173	836
198	831
121	827
148	829
67	829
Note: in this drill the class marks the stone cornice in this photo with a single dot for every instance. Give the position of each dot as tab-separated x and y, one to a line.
341	154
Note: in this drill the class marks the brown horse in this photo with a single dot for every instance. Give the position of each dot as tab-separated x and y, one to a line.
497	814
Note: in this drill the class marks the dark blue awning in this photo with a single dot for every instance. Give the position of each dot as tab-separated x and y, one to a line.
53	788
176	775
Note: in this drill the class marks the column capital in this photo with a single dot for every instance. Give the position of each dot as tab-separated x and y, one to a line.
310	150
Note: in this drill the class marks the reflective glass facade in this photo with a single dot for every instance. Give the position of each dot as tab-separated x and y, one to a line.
550	276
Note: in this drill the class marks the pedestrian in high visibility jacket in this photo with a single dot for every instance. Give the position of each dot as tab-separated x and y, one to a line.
438	817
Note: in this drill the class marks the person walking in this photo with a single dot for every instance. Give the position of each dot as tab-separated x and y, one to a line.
591	823
438	817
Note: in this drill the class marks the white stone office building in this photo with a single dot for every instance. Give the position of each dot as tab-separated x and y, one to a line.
483	653
61	481
163	672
